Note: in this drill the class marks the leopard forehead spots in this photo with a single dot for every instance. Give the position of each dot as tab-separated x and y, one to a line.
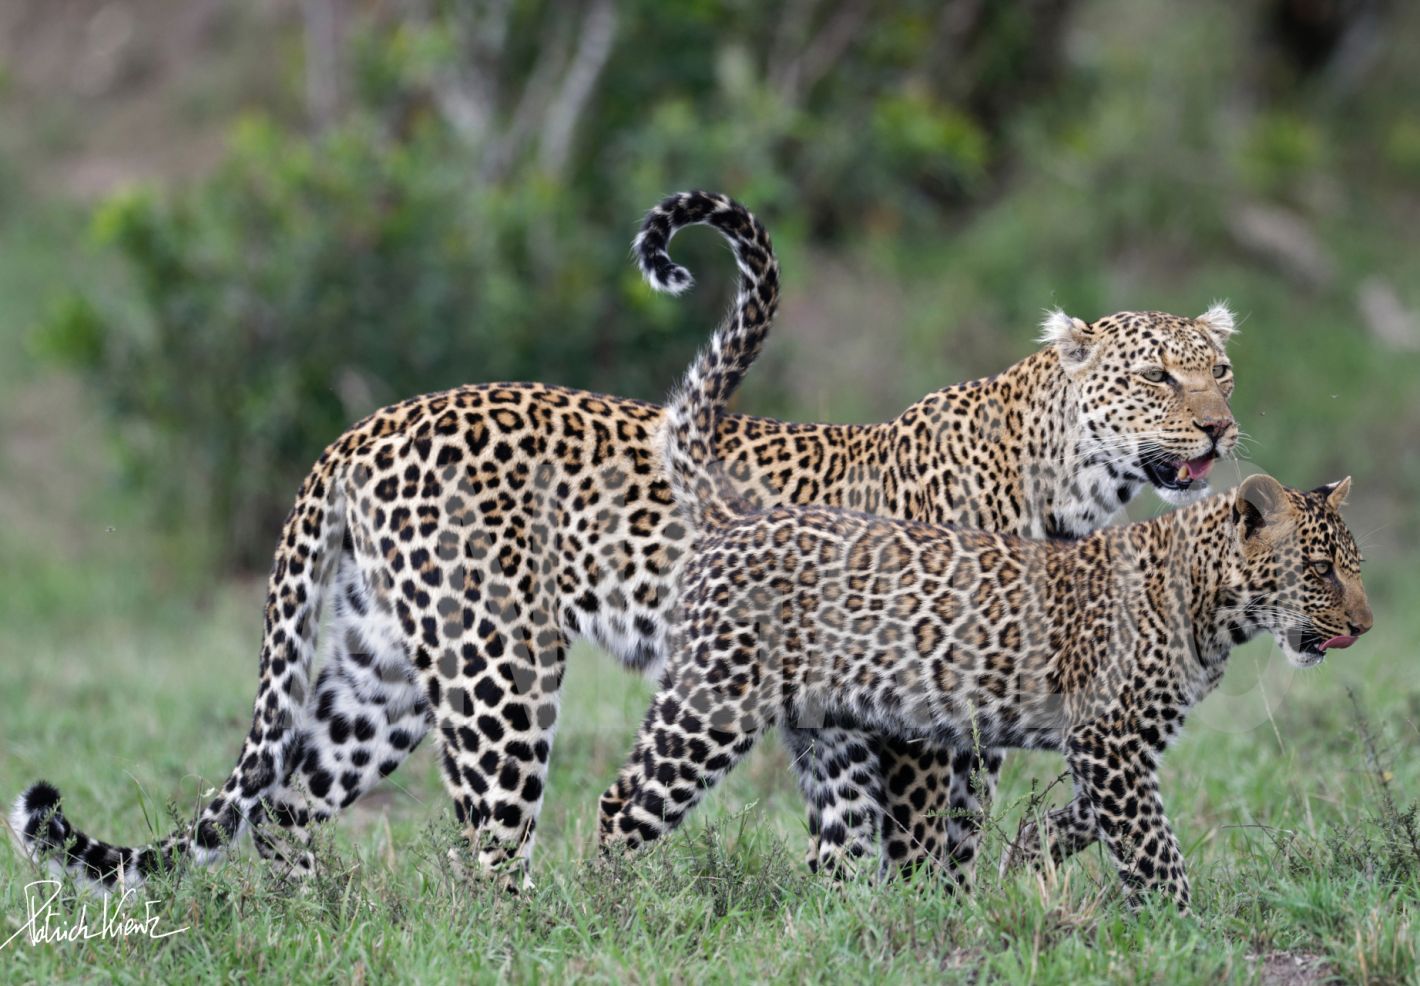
1170	339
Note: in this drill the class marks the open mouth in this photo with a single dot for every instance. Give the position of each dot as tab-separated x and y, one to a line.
1179	474
1311	643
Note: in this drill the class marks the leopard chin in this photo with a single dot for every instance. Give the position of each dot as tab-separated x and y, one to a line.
1183	496
1301	659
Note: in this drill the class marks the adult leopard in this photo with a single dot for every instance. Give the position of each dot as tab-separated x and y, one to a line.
1095	648
457	541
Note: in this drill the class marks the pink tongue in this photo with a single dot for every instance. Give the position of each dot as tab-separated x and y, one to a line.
1199	468
1339	642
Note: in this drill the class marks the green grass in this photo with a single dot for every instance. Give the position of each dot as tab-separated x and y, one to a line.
130	699
129	688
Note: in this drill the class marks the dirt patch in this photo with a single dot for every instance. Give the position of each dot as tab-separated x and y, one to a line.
1292	969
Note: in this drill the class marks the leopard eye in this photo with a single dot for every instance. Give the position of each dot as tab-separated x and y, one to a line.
1320	567
1220	370
1154	376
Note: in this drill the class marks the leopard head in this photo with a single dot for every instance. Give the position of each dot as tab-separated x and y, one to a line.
1300	572
1153	392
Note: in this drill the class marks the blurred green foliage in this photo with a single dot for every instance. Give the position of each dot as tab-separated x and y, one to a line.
305	283
410	245
463	214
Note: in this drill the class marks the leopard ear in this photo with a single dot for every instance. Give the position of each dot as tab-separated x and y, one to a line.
1335	493
1072	338
1220	323
1260	500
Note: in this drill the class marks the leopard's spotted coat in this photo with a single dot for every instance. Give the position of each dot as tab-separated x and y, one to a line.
454	543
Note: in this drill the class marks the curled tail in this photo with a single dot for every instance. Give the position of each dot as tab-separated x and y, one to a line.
308	552
692	416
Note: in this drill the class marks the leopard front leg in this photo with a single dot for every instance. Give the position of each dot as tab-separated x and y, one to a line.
693	735
1122	788
1068	829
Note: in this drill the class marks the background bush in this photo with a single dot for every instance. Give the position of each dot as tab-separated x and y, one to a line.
443	193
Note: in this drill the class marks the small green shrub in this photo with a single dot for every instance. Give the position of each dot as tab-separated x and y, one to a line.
308	282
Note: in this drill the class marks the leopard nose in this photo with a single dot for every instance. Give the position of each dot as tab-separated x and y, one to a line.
1362	622
1214	428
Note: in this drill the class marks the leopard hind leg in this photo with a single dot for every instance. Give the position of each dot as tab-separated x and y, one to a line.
840	777
366	713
